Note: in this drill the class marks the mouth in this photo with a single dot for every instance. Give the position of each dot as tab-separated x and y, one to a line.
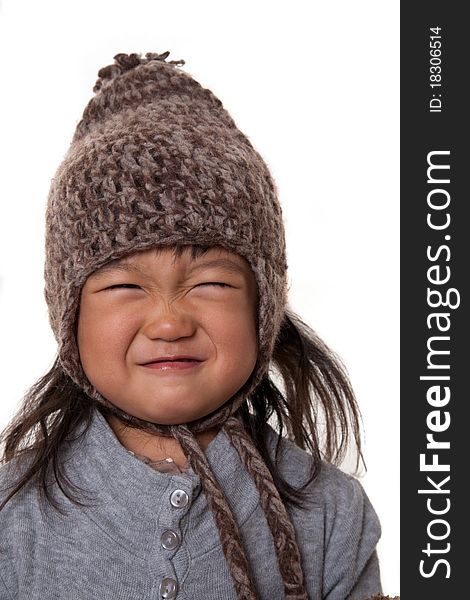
171	363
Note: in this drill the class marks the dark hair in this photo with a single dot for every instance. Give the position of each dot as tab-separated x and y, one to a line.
317	408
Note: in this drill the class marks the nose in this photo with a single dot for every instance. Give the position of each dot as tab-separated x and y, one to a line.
169	323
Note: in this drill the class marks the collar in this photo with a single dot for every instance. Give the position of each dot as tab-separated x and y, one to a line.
130	501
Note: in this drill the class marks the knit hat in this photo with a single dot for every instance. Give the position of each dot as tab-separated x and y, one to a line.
156	160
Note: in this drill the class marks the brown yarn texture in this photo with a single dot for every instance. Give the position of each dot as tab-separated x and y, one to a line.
156	160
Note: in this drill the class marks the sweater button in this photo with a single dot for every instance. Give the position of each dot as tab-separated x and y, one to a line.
179	498
168	588
170	539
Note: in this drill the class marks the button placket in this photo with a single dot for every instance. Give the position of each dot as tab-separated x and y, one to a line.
171	539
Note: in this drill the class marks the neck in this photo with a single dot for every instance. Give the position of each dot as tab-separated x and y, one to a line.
153	446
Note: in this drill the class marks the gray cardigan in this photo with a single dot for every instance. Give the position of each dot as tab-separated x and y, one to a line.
150	535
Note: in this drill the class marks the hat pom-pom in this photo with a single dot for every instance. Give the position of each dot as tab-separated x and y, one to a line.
124	62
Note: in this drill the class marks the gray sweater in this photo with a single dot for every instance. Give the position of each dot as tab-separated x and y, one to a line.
150	535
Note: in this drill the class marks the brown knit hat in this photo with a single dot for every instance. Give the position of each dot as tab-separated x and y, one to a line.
157	160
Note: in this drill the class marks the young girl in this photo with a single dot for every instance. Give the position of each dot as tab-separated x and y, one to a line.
151	460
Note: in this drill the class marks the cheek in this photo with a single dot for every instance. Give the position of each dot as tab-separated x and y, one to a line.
102	336
234	334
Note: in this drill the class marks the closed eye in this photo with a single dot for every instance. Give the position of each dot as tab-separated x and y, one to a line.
123	285
133	285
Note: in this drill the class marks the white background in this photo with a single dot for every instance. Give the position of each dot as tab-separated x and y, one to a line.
314	85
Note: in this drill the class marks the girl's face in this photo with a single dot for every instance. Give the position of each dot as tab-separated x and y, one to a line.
152	305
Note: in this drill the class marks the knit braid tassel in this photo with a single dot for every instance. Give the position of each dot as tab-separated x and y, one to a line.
125	62
287	550
226	524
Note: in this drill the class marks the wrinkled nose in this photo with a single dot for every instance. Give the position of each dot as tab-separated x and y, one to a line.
169	323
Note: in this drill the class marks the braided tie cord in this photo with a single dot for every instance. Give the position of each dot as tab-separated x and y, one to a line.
223	516
287	550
